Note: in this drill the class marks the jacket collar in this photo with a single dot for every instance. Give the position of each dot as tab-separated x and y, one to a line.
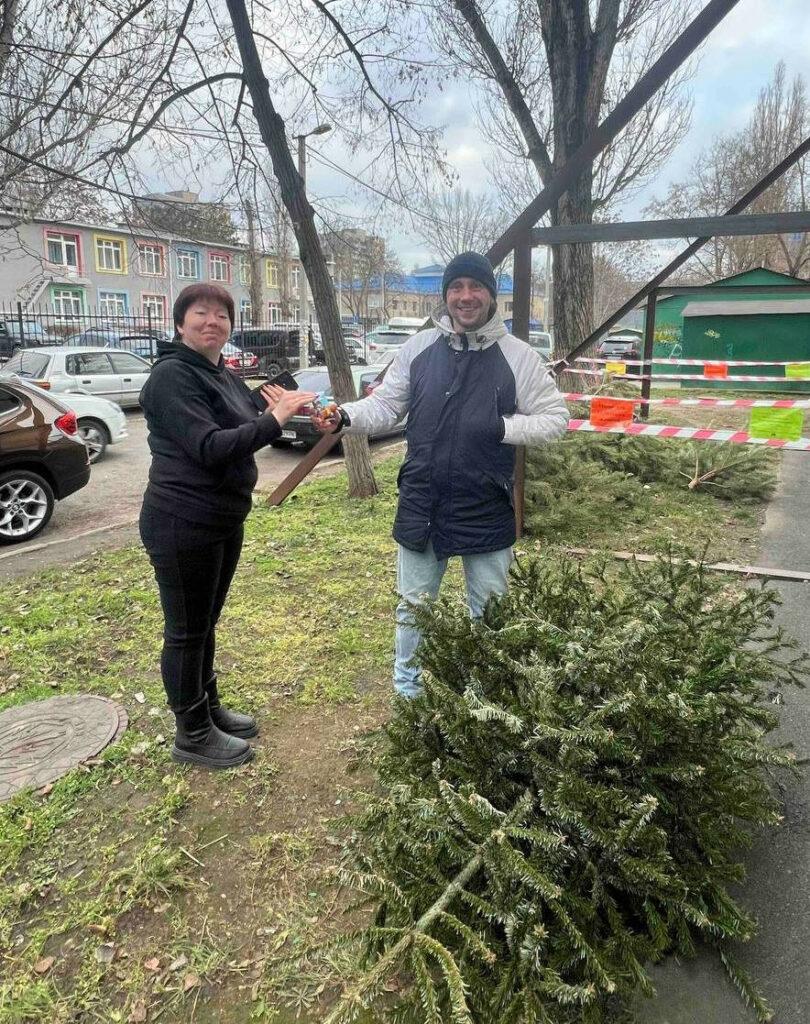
485	336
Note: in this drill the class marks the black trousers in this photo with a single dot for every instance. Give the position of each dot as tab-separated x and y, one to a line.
194	565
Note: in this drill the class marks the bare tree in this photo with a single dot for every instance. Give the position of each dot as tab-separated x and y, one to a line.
454	220
359	258
550	69
731	164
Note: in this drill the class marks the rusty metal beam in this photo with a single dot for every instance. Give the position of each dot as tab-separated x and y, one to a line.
754	192
601	137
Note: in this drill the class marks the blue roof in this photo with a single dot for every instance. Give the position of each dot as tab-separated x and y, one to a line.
423	283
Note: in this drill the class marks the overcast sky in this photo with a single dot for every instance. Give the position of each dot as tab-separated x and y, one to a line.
735	63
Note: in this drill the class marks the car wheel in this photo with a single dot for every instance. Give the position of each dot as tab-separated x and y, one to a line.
95	437
273	370
26	505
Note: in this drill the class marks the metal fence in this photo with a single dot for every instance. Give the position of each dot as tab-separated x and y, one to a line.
255	349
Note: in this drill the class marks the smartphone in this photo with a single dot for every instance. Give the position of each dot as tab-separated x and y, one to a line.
284	380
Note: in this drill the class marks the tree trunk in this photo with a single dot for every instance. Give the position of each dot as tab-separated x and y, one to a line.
271	126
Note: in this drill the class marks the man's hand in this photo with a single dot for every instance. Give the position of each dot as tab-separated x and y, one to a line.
282	404
327	418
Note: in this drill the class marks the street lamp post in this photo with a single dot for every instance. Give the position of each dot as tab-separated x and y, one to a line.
305	328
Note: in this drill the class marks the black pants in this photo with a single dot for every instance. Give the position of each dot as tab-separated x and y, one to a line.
194	566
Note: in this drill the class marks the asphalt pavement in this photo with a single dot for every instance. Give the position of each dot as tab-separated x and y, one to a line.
777	889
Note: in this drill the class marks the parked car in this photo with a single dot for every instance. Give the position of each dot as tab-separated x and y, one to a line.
118	376
300	428
384	342
276	347
142	343
32	333
354	347
540	341
100	421
619	347
42	459
239	361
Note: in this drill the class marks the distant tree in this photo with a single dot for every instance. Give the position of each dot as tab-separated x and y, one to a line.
454	220
199	221
731	164
359	259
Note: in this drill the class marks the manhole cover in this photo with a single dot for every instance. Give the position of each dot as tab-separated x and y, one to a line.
42	741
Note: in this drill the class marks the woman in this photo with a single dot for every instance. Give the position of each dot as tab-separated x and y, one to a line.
203	431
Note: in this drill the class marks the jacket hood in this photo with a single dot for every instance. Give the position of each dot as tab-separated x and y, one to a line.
177	350
485	336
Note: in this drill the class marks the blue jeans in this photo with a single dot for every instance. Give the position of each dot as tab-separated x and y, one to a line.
419	576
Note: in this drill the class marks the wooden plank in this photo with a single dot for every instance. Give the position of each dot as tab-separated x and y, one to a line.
680	227
791	575
304	468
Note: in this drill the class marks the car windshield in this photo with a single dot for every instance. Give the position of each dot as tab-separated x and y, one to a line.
313	380
29	328
26	364
392	338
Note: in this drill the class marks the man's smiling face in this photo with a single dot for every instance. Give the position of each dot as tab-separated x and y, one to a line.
469	303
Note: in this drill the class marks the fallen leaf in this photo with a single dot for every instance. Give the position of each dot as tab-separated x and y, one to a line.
140	697
181	961
137	1015
190	981
44	965
45	789
153	964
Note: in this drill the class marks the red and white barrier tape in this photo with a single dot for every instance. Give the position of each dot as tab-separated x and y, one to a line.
679	376
692	434
725	403
668	361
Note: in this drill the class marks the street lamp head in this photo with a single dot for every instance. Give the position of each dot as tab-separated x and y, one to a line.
322	129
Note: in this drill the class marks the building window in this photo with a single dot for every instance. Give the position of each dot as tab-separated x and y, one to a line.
219	267
295	278
274	312
508	306
295	314
67	301
245	270
394	304
188	264
245	311
110	255
151	259
63	250
154	307
113	303
271	273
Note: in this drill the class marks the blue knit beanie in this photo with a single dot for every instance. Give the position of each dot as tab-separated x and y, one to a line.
470	264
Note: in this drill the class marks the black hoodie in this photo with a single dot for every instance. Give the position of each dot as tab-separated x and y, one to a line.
203	431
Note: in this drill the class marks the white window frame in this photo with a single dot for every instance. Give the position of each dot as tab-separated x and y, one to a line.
75	295
147	252
63	240
184	257
246	311
118	298
158	304
274	312
295	277
271	273
220	260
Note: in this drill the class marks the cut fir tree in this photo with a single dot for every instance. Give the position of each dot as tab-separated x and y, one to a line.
567	803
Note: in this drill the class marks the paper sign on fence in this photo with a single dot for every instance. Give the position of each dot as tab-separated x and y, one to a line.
717	370
611	412
781	424
798	370
615	367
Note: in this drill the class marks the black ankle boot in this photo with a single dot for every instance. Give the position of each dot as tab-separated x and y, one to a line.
199	741
232	722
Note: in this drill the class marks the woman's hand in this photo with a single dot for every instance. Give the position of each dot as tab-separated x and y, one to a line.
282	404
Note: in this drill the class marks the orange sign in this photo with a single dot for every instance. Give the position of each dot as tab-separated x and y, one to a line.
611	412
717	370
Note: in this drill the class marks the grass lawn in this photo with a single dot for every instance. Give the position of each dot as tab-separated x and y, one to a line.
135	890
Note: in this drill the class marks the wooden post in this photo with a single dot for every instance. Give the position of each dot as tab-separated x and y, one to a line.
521	314
649	339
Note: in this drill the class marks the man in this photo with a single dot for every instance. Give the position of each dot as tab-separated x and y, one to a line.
472	392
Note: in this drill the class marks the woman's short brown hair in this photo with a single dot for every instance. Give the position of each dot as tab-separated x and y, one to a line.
201	293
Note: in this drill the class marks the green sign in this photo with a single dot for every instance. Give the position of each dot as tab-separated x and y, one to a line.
798	370
781	424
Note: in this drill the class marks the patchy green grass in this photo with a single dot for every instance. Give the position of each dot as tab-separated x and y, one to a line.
135	890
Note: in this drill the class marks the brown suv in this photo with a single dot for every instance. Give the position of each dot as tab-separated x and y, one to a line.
42	458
